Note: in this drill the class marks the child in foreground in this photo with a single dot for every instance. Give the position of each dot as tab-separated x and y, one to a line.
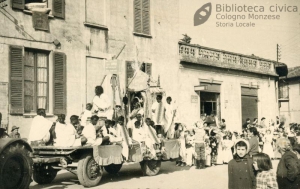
265	177
240	169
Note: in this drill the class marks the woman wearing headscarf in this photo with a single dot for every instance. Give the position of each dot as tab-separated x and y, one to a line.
287	170
240	168
214	144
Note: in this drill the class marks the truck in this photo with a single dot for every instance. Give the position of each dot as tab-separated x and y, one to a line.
89	162
15	163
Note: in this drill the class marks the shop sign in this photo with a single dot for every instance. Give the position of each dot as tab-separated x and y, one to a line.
194	99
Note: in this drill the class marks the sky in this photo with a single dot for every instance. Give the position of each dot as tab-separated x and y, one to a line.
260	40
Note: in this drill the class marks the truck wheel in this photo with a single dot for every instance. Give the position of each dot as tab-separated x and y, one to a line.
113	168
43	174
88	171
150	167
15	167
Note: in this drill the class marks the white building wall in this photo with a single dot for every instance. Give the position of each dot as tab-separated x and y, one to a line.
294	100
230	95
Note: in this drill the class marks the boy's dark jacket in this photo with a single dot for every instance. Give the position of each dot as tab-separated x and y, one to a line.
241	173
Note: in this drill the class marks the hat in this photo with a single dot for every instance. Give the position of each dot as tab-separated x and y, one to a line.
247	143
14	127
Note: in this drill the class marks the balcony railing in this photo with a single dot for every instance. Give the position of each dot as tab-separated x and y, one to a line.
214	57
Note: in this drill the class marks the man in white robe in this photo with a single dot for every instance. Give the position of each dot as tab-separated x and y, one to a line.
102	104
136	115
88	134
89	131
169	118
139	133
122	134
40	126
151	137
65	133
158	116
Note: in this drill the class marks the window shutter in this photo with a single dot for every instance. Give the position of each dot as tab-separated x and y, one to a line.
58	9
59	83
138	16
148	68
283	90
18	4
129	69
146	16
16	80
129	72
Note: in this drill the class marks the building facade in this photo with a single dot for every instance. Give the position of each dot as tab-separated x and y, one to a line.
289	95
53	57
230	85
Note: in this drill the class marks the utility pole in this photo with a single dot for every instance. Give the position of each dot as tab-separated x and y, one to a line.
278	53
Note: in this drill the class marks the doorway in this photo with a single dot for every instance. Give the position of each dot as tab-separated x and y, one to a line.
249	103
94	76
210	103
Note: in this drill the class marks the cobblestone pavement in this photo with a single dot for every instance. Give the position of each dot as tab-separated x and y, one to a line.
170	176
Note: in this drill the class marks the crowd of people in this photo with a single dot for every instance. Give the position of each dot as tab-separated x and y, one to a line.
256	171
208	142
99	124
251	166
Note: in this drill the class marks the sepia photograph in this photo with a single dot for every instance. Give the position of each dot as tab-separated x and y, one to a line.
150	94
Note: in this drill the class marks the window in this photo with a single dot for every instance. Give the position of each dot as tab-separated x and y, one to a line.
32	86
208	108
36	81
145	67
142	16
209	103
283	90
57	8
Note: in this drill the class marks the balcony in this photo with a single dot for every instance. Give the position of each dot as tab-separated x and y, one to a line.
223	59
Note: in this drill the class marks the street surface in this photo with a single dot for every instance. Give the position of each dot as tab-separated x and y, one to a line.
170	176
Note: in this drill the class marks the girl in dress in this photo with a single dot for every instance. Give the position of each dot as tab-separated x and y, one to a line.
214	144
190	147
220	157
227	145
179	134
207	155
268	148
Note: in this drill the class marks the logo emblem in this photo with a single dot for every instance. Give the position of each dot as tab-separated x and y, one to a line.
202	14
